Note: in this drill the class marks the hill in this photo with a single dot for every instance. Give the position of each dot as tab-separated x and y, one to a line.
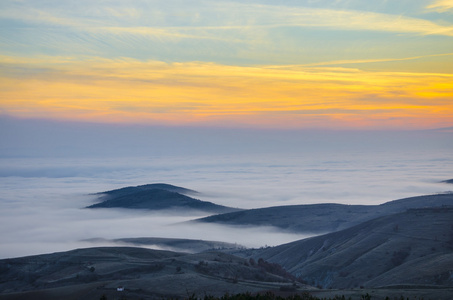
153	186
171	244
151	274
156	197
323	218
413	248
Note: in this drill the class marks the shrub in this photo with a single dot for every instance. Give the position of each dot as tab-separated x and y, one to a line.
399	257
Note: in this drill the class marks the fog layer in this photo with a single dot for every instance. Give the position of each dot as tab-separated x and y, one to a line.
48	170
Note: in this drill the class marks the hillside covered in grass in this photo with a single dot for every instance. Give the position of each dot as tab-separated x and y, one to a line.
410	248
326	217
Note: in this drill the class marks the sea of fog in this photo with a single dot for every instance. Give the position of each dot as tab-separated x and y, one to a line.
42	198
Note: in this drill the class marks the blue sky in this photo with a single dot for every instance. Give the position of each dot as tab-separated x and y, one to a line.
231	32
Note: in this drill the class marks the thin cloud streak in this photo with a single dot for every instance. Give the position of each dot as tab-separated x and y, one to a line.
441	5
361	61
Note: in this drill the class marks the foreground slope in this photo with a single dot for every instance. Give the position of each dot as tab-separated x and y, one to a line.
323	218
144	273
410	248
156	197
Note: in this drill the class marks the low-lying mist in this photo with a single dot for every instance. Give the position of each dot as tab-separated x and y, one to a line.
49	169
32	226
47	214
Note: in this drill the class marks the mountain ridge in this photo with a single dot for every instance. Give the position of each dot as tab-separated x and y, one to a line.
325	217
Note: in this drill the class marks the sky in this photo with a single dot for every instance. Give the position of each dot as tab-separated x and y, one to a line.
306	64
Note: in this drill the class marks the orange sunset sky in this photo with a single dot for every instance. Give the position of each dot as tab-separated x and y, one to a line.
262	64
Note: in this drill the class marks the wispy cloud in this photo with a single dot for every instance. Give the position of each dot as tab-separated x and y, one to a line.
348	20
441	5
246	16
363	61
225	32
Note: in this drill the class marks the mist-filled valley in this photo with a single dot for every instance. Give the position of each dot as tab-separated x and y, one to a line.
45	190
165	211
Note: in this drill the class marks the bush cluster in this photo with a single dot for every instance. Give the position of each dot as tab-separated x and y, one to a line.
266	296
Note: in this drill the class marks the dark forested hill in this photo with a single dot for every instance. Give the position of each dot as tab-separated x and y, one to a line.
157	197
153	186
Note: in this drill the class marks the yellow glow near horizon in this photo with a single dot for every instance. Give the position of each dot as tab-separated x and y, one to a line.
197	93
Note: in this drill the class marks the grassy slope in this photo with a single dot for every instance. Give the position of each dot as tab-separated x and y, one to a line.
171	244
97	271
322	218
414	247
